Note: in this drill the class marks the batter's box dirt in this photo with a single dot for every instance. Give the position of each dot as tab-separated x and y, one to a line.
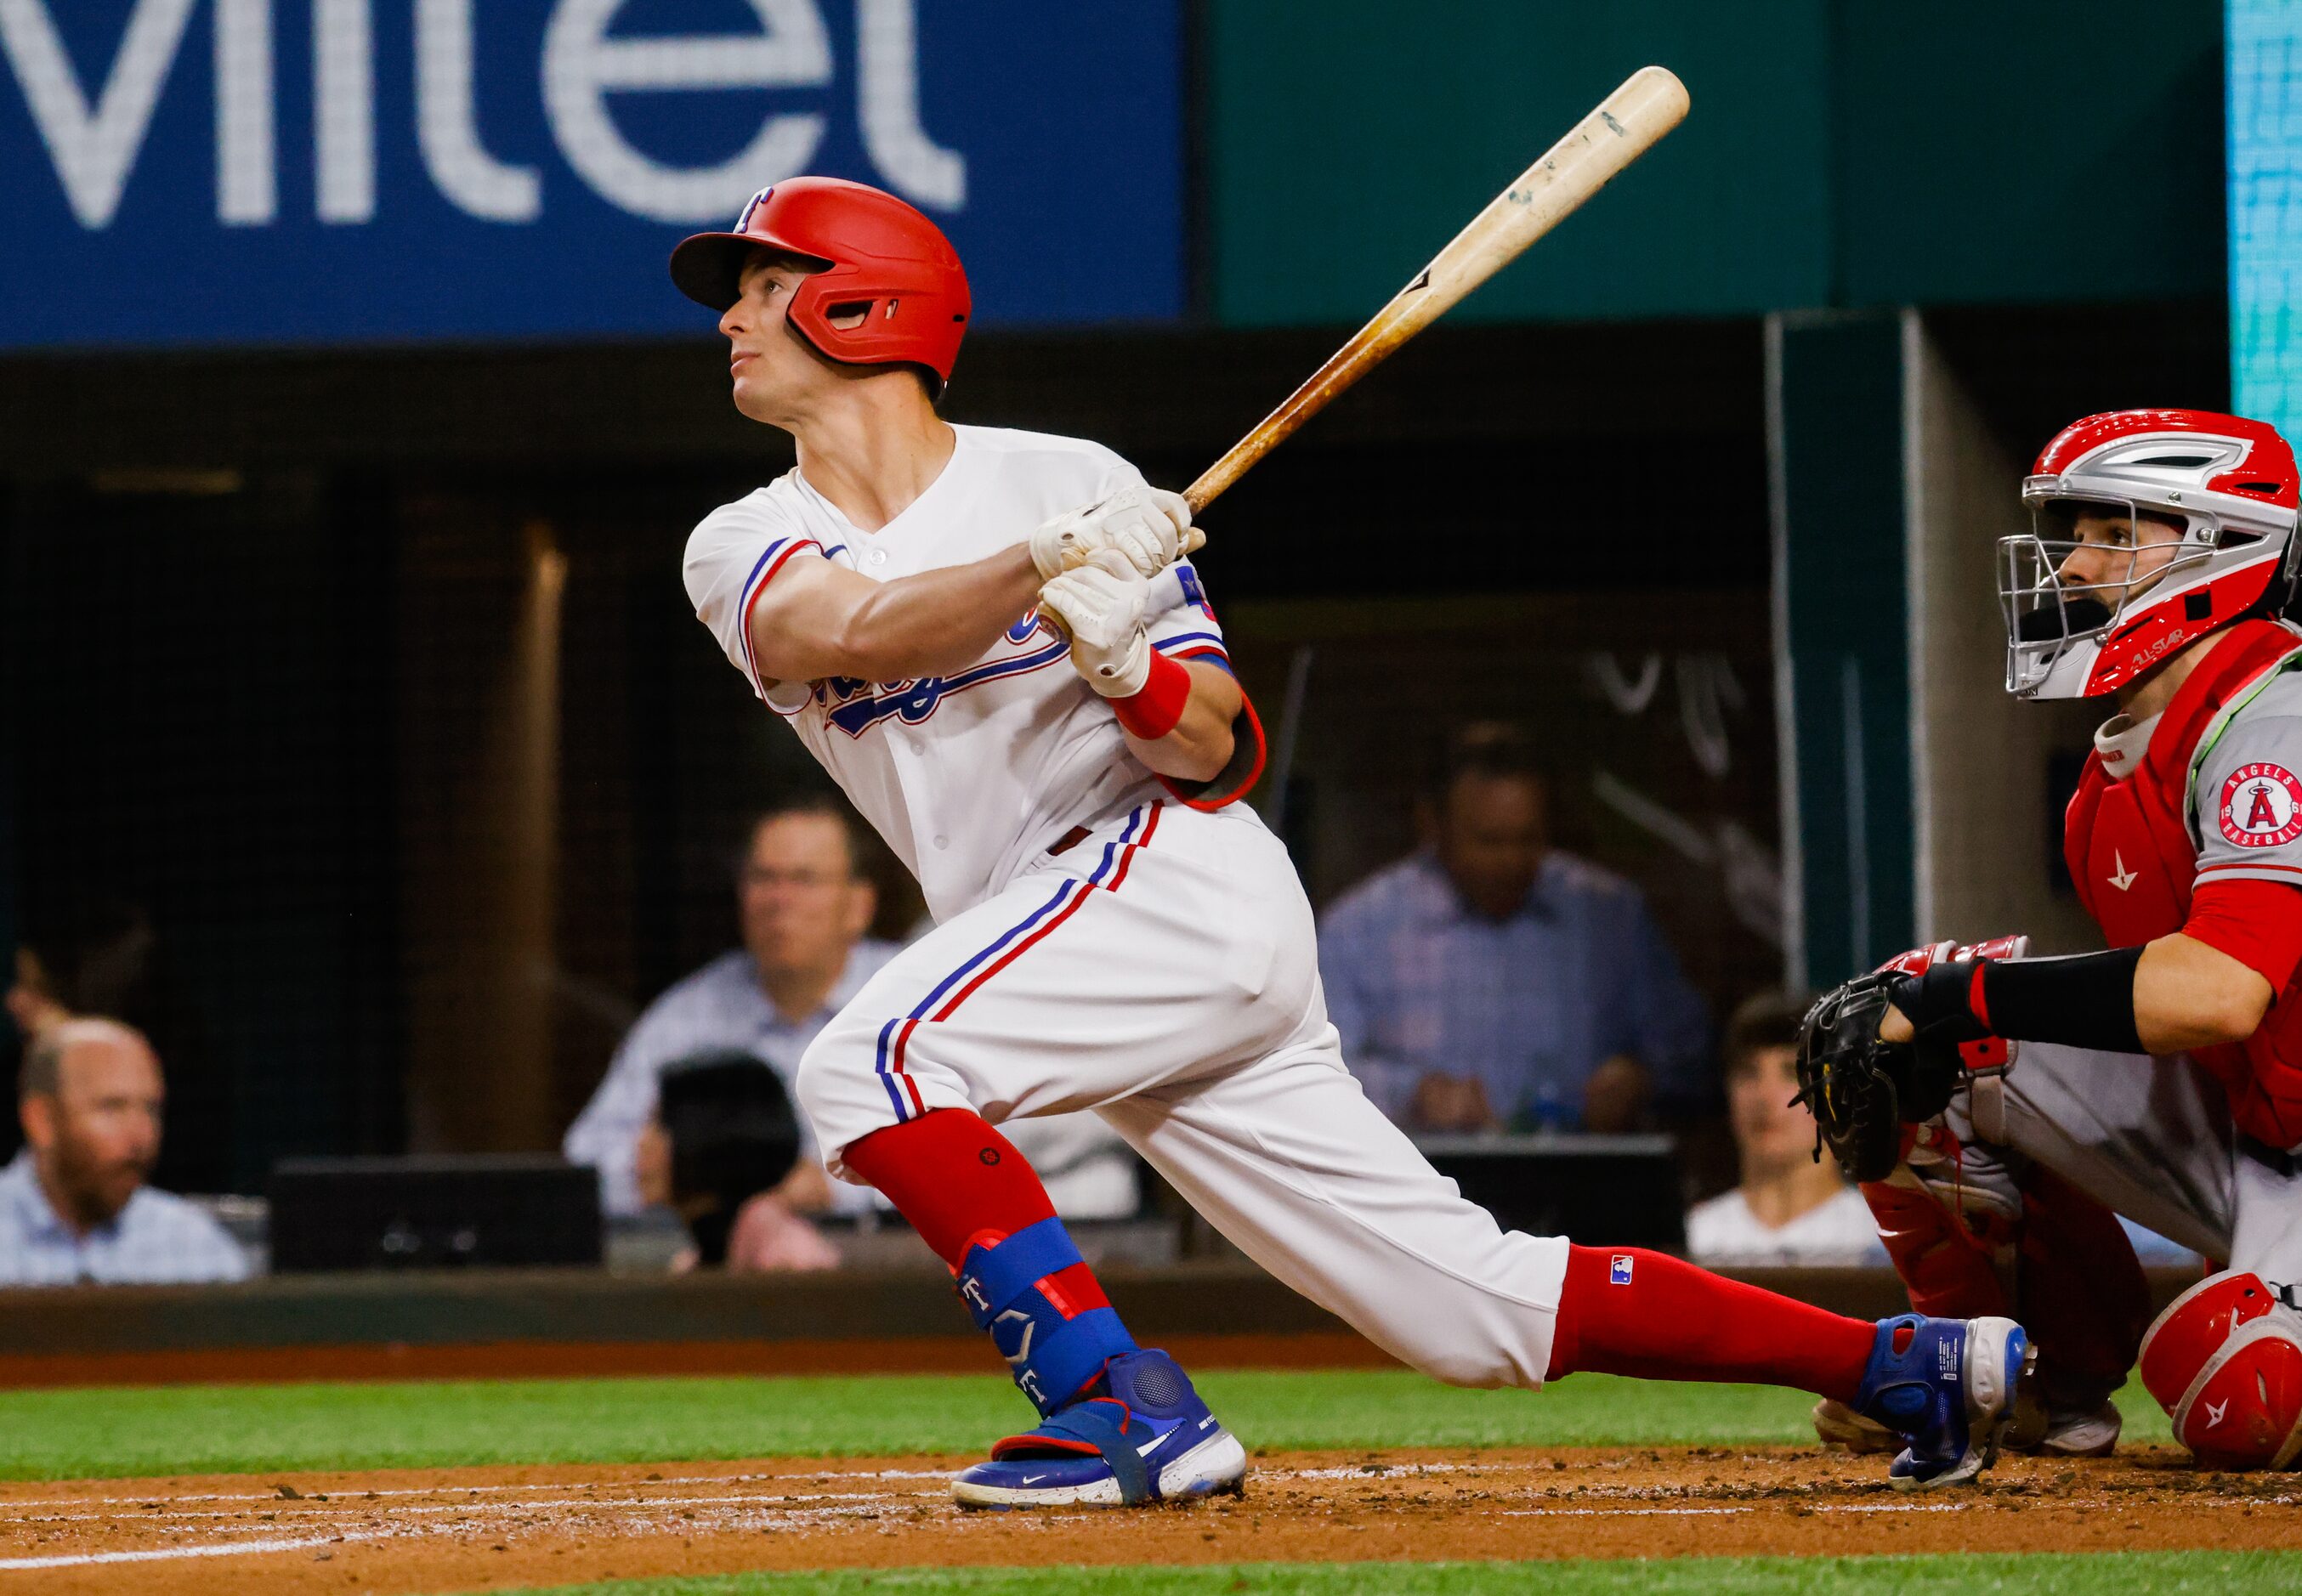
470	1529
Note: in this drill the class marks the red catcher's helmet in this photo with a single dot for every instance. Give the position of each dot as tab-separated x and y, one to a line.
2225	490
877	256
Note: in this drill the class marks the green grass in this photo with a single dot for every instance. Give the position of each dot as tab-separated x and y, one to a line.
2099	1574
89	1434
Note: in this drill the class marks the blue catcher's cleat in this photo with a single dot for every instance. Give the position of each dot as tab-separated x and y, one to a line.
1947	1387
1142	1436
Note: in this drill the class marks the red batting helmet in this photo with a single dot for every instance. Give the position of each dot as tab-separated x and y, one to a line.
879	256
2226	485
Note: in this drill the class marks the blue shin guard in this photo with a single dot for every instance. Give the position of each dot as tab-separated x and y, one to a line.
1949	1390
1052	1351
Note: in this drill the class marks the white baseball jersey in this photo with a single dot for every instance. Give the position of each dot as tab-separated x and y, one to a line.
1020	749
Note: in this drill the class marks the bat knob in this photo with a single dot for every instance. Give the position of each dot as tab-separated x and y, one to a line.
1194	539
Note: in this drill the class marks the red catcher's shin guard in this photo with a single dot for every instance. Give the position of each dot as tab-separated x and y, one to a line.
1628	1311
1946	1273
2081	1295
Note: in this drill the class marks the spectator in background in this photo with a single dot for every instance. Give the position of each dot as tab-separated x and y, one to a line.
93	957
1491	980
723	1138
1789	1208
806	902
73	1204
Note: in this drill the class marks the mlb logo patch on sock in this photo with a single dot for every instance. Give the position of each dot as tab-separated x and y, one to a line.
1618	1270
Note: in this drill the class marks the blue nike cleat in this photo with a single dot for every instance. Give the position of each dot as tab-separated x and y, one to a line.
1143	1437
1947	1387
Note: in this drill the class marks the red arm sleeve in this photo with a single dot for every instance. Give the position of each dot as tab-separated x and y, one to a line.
2258	923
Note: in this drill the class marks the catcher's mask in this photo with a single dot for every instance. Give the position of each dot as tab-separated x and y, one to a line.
2149	529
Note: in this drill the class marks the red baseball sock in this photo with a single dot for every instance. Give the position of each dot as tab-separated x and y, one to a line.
1628	1311
962	1184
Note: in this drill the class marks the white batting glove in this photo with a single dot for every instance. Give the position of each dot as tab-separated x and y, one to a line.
1101	604
1146	524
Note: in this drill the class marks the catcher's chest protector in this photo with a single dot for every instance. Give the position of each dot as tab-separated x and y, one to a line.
2129	847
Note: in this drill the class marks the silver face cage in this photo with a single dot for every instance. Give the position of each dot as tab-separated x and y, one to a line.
2051	619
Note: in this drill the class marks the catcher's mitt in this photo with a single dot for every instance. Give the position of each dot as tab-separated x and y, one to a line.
1862	1091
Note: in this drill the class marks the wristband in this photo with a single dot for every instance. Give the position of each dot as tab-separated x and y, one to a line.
2084	1001
1943	1002
1157	708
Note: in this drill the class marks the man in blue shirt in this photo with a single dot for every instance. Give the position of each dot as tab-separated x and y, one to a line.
1491	980
73	1205
804	901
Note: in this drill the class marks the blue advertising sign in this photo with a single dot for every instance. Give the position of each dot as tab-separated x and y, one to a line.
219	171
2265	211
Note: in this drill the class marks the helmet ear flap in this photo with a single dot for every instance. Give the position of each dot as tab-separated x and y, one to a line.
2231	486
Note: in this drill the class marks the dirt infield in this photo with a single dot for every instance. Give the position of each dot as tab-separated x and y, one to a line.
470	1529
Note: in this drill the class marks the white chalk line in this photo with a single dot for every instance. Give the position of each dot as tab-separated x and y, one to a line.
355	1506
665	1515
1402	1471
351	1495
86	1559
1397	1471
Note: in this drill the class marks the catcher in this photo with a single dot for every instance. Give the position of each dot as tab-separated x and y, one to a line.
1998	1108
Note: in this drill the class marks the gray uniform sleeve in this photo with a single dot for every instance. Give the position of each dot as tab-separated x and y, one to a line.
2245	798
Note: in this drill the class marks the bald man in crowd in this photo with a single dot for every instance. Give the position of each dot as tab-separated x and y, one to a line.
74	1207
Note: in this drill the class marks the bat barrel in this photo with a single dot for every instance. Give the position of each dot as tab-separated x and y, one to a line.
1623	127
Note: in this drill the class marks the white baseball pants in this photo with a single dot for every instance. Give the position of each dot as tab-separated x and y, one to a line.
1164	973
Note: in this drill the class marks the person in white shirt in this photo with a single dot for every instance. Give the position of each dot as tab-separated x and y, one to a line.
74	1207
1789	1208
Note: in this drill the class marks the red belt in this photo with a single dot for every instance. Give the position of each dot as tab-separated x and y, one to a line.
1068	840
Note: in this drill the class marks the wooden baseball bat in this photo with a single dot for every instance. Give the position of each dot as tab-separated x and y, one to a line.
1626	125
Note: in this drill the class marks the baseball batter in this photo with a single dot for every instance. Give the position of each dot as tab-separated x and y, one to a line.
2162	1079
1113	931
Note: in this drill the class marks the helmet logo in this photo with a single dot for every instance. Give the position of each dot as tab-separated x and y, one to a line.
2261	806
744	221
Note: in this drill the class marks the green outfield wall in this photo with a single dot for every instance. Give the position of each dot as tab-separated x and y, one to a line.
1841	153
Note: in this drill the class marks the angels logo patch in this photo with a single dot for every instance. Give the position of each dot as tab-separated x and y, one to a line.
2261	806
